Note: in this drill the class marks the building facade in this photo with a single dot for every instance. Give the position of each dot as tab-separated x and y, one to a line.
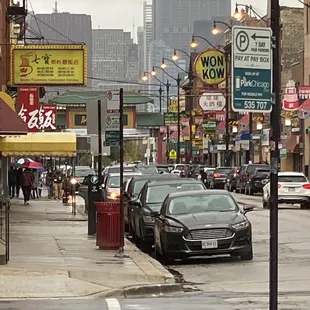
147	31
62	28
110	53
173	20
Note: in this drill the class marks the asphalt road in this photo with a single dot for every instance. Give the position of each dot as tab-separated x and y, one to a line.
245	285
183	302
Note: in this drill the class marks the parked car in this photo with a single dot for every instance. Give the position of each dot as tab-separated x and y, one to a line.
293	188
257	181
111	185
150	199
202	223
148	169
244	173
134	186
219	176
230	183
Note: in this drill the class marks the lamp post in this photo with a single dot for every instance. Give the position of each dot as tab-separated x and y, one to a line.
227	133
178	81
238	15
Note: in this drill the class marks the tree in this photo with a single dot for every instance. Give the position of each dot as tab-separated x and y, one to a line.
85	160
132	151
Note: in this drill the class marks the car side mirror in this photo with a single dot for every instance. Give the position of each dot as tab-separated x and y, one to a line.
137	203
155	214
246	208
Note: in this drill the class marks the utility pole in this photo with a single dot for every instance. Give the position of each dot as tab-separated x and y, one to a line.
179	123
160	99
167	128
227	135
99	145
274	148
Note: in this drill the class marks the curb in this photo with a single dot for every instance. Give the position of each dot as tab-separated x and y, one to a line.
151	267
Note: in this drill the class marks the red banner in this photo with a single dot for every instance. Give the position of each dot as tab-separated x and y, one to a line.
28	102
37	117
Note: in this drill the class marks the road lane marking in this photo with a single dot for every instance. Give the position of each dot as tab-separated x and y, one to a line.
113	304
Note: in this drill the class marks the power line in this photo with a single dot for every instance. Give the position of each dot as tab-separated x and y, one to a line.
36	19
47	25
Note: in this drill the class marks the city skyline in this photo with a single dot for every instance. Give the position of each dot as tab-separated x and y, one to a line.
130	12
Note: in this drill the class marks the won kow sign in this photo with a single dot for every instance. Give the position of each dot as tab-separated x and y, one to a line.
210	67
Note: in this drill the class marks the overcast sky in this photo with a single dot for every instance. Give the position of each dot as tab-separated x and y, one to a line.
121	13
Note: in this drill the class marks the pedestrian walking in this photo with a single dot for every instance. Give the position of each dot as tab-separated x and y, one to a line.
49	183
40	185
58	179
12	178
19	176
27	182
35	185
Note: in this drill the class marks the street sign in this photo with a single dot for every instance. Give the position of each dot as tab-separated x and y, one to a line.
212	102
251	79
112	122
92	116
113	101
173	154
112	138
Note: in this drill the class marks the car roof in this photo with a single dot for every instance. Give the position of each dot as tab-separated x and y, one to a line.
200	192
126	173
289	173
174	181
155	176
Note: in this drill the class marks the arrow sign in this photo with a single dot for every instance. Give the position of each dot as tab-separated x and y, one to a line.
254	37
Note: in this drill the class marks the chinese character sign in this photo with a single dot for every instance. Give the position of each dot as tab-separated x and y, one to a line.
49	65
28	102
212	102
290	101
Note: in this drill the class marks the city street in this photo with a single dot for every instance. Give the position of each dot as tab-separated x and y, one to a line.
248	281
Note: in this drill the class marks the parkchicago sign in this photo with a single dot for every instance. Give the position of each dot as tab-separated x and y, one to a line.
210	67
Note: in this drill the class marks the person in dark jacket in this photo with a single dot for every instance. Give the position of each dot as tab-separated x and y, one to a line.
12	181
27	182
19	177
49	183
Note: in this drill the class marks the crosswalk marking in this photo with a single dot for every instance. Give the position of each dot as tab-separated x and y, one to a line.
113	304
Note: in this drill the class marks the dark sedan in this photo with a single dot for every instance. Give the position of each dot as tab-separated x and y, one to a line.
218	179
202	223
150	199
133	189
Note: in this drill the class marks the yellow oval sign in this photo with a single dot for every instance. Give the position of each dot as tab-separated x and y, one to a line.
210	67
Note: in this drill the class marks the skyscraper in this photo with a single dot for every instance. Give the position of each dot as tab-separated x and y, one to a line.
140	40
147	30
110	54
62	28
173	20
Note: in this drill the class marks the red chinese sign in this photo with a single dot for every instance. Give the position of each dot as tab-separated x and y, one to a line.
37	117
290	102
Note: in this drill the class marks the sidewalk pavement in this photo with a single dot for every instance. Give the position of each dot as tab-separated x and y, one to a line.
51	256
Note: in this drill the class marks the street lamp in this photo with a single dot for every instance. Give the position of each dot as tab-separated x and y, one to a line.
153	72
238	15
144	77
194	43
163	64
215	30
175	55
178	81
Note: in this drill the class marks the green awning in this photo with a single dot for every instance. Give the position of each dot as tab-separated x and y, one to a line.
150	120
82	97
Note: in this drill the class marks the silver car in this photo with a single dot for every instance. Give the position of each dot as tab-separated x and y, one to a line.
111	186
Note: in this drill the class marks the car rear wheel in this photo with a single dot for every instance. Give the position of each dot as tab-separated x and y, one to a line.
305	206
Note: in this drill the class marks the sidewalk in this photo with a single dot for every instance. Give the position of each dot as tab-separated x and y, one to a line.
51	256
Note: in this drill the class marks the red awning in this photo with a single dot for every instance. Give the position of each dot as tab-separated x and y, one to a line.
10	122
221	126
305	106
244	119
291	144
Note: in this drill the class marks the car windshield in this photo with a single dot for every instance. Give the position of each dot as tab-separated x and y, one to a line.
292	179
163	169
222	170
157	194
148	169
114	181
180	167
202	203
82	173
138	186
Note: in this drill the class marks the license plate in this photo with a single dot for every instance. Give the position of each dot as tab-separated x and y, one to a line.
291	189
209	244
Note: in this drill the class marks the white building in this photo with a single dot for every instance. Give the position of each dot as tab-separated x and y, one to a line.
147	31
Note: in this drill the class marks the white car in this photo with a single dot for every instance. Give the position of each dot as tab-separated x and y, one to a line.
293	188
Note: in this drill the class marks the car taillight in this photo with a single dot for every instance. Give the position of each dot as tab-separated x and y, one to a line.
306	186
279	185
216	175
